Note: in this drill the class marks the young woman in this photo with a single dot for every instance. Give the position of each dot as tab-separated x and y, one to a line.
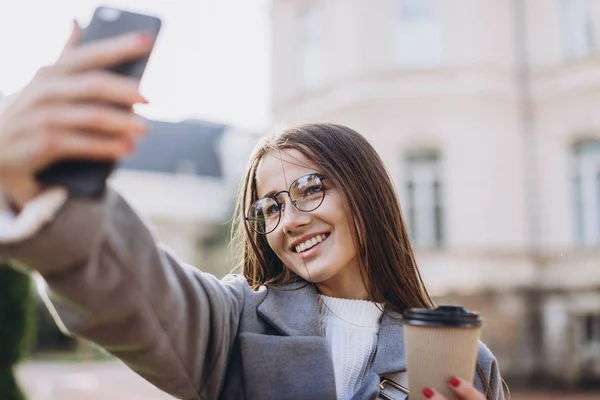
326	263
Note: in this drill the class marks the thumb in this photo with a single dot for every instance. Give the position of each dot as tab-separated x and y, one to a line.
73	38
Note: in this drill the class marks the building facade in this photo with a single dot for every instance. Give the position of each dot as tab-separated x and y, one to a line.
486	115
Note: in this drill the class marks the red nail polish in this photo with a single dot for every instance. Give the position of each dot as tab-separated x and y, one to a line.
428	393
454	381
145	39
128	147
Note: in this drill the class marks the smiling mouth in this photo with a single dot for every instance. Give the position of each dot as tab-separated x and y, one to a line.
310	243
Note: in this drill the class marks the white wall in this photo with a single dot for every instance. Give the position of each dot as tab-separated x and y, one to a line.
468	108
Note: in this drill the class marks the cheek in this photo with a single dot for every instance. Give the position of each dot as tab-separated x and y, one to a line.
335	214
275	241
344	228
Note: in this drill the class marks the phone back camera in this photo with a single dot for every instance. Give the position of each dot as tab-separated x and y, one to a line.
108	14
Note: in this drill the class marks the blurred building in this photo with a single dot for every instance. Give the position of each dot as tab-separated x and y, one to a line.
486	113
183	177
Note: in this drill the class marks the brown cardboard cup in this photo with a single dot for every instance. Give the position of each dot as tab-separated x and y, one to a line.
440	343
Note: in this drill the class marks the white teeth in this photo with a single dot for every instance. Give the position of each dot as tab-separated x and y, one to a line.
309	243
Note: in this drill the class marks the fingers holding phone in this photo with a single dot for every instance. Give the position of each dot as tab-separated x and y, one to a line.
78	109
94	86
104	53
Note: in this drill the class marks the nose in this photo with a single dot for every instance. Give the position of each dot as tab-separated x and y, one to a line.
291	217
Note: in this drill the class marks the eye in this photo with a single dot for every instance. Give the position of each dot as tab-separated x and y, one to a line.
312	190
271	210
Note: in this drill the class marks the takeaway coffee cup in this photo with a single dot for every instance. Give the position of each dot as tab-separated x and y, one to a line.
440	343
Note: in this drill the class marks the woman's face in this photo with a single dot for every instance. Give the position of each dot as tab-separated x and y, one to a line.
332	263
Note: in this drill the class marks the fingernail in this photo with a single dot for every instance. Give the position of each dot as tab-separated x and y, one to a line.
128	147
75	28
428	393
145	39
454	381
140	125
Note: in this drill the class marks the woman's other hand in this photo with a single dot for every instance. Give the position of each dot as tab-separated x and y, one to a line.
463	389
72	109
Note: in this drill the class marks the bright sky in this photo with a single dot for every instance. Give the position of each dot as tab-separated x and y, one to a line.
211	60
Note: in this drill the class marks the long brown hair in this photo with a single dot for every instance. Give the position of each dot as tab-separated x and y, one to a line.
386	257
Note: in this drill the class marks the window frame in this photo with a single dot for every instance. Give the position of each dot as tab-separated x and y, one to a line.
578	41
311	44
418	40
423	173
585	194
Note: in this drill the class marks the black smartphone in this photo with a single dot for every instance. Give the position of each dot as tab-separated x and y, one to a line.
84	178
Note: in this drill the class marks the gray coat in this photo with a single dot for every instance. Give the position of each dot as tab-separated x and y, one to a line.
185	331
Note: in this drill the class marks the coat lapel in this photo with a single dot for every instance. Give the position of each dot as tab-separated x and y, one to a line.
292	309
298	356
389	357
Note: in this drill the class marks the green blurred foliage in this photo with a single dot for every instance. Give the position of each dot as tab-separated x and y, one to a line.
17	327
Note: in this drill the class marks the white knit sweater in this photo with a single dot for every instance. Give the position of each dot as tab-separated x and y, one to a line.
350	327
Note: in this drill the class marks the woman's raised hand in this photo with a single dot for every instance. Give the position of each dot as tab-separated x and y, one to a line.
72	109
463	389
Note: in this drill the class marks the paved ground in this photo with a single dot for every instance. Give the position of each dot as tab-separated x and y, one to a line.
110	380
106	380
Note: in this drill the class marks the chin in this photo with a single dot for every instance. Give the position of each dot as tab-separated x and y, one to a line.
316	275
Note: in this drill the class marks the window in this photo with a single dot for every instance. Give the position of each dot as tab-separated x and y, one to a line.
586	192
418	38
591	329
311	43
589	340
424	198
579	30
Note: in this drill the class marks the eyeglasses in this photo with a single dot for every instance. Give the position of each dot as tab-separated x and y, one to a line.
306	194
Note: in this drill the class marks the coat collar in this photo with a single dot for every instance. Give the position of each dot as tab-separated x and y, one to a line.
390	356
293	310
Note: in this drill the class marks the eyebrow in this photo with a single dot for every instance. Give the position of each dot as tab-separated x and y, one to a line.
268	194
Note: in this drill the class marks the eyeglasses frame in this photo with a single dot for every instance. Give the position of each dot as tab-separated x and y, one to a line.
281	206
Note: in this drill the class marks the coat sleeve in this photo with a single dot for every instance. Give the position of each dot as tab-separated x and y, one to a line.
108	281
491	372
37	213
